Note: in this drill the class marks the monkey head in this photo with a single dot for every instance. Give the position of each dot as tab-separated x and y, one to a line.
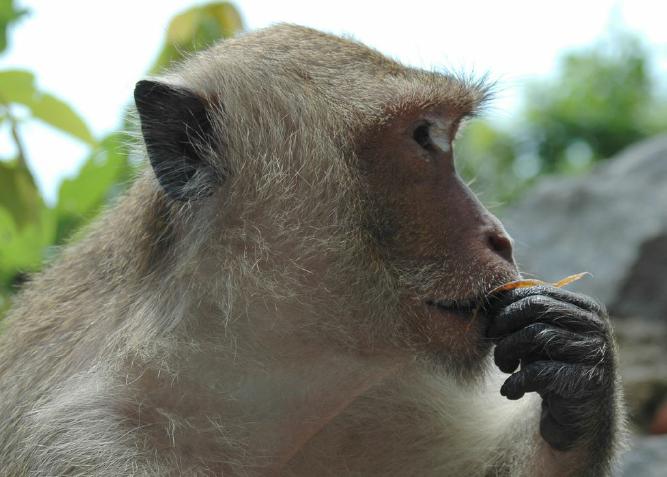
318	177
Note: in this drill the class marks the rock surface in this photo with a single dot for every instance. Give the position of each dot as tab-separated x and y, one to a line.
643	367
611	222
647	458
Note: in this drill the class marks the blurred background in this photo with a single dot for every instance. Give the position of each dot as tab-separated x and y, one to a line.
572	154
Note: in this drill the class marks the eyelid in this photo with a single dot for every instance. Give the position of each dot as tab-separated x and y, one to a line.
440	133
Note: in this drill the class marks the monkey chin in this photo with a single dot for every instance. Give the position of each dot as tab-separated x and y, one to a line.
450	339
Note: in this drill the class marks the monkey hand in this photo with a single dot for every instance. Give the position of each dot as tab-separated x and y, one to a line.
563	342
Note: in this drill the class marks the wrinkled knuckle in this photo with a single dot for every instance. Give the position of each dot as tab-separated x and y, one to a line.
603	351
516	308
597	378
594	351
536	369
538	302
542	290
599	324
536	329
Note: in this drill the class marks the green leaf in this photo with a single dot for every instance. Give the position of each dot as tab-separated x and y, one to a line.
56	113
17	86
23	249
8	15
197	28
18	194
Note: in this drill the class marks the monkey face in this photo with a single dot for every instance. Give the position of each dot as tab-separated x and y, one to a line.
446	247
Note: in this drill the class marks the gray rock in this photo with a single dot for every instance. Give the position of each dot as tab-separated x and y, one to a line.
644	286
647	457
611	222
643	367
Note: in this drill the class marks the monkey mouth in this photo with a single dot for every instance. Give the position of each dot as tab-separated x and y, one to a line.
462	308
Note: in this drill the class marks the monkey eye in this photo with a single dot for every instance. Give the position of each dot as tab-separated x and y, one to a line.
422	136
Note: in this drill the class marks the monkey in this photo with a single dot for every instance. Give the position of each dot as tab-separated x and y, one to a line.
299	283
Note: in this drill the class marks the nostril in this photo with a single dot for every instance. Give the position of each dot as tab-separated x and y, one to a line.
501	244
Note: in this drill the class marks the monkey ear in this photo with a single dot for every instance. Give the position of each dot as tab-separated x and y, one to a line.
176	129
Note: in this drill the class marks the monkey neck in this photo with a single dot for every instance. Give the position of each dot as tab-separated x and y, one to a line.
285	402
271	398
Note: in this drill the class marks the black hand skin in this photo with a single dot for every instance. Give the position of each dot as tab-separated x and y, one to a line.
564	346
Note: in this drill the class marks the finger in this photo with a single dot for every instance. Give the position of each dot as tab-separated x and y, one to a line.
547	377
560	434
543	309
540	341
501	299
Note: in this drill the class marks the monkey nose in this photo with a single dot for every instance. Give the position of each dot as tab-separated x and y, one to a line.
501	244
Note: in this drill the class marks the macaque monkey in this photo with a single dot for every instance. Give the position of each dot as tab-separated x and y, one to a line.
298	285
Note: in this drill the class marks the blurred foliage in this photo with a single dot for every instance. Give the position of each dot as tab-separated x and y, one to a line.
30	230
195	29
18	88
603	99
9	13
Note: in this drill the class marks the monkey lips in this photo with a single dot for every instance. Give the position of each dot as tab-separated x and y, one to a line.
473	307
464	309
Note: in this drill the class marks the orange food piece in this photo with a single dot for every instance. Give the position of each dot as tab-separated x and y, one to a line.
533	283
572	278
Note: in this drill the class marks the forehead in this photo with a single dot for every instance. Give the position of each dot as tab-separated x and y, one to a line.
438	94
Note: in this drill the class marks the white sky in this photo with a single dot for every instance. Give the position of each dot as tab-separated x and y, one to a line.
91	53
